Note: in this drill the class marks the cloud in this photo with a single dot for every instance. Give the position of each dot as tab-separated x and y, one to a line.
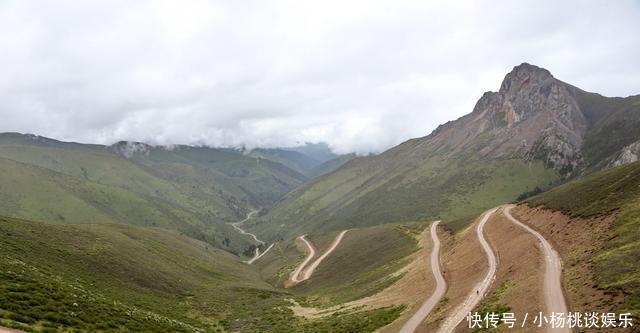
360	75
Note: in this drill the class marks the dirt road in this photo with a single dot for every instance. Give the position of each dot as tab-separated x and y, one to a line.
295	277
259	255
479	290
441	286
236	225
553	295
309	271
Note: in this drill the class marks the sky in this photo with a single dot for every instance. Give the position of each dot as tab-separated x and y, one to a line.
361	76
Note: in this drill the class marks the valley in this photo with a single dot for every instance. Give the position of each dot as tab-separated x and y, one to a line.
528	205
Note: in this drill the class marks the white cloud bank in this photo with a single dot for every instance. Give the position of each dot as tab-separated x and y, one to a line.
360	75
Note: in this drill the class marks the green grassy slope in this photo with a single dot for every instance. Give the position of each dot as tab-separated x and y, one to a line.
108	277
619	128
360	266
192	189
331	165
293	159
618	190
32	192
406	183
236	179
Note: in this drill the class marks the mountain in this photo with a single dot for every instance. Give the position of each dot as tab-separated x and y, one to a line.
317	151
533	133
195	190
297	161
311	160
330	165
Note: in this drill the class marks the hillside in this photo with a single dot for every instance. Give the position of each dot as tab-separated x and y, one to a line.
110	277
535	132
311	160
614	192
195	190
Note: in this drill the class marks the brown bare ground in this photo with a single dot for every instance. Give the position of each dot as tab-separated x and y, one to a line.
520	270
577	240
464	266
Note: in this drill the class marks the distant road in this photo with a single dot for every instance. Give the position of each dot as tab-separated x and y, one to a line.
441	286
553	294
295	277
259	255
236	225
478	292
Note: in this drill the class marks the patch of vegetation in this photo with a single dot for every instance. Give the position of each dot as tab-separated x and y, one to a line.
195	190
362	265
366	321
619	129
385	189
613	190
493	305
119	278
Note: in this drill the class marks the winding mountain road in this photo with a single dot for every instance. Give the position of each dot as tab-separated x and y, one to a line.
441	286
236	225
309	271
257	255
295	277
553	295
478	292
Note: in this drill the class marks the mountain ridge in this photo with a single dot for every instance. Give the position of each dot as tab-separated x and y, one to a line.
529	134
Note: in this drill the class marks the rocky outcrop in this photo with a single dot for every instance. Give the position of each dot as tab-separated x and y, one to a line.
628	154
532	116
130	149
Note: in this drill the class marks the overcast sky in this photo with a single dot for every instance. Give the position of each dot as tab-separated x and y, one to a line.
359	75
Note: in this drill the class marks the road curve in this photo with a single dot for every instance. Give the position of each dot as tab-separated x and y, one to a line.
259	255
295	277
479	290
309	271
441	286
236	225
553	294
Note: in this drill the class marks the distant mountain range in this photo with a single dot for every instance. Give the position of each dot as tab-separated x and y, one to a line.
195	190
532	134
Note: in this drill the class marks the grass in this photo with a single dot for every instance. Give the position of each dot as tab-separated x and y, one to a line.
110	277
493	305
195	190
615	190
362	265
362	193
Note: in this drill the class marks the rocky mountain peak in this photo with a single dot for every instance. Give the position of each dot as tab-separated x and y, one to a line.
532	116
525	76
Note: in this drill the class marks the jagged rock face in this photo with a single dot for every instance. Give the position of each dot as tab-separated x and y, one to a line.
532	116
130	149
629	154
